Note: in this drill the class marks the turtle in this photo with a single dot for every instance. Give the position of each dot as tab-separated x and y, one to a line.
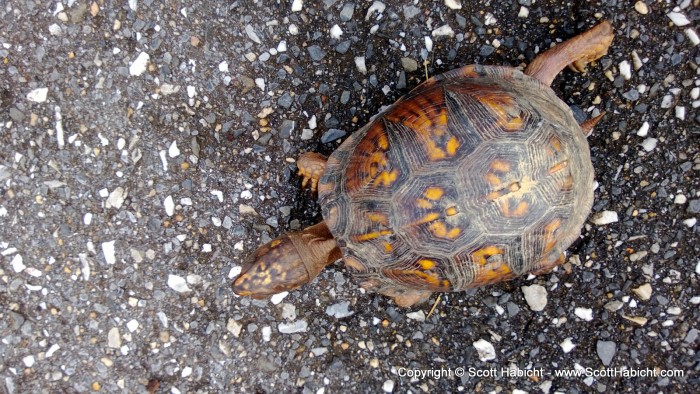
476	176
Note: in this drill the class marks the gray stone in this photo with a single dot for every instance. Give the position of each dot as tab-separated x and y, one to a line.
332	135
316	52
606	351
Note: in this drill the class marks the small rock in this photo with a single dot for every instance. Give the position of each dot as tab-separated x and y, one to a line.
347	11
332	135
116	198
606	351
360	64
250	32
285	100
690	222
692	36
643	292
108	252
377	7
17	263
678	19
644	130
585	314
138	66
418	316
485	350
444	30
409	64
307	134
524	12
277	298
169	205
693	206
339	310
114	340
535	296
636	256
649	144
173	150
38	95
336	32
294	327
178	283
641	7
604	217
614	306
316	52
388	386
297	5
453	4
567	345
625	70
638	320
234	327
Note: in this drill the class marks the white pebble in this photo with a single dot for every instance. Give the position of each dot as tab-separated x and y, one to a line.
223	66
636	60
277	298
585	314
377	6
169	205
453	4
678	19
297	5
293	327
649	144
604	217
206	248
282	46
266	333
260	82
489	19
116	198
444	30
567	345
17	263
293	29
178	283
108	252
697	270
680	199
643	292
680	112
38	95
485	350
695	93
191	91
666	101
625	70
114	340
360	64
187	371
173	151
139	65
644	130
692	36
52	350
417	316
428	44
535	296
28	361
388	386
673	310
690	222
524	12
132	325
641	7
336	31
246	195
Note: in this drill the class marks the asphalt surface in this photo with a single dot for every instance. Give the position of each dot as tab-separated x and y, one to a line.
147	147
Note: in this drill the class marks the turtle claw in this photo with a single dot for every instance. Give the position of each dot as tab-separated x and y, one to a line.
311	167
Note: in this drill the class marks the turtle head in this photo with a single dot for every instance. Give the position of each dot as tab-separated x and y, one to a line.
273	268
287	262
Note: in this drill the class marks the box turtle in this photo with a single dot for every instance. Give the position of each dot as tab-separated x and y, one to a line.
477	176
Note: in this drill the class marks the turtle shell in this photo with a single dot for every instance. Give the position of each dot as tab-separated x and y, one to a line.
476	176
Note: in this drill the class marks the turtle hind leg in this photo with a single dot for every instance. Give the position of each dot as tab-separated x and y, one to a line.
311	167
405	297
575	53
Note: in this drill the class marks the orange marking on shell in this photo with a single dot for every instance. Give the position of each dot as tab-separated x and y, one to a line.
454	233
388	247
451	211
377	217
492	273
550	238
433	193
275	243
500	166
492	179
558	167
439	229
452	146
480	256
426	264
423	203
418	279
504	108
386	178
568	183
519	211
382	142
427	218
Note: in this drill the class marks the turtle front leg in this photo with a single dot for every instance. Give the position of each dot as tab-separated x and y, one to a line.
311	167
575	53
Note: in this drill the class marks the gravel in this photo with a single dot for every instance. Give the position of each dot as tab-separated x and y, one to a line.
147	150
